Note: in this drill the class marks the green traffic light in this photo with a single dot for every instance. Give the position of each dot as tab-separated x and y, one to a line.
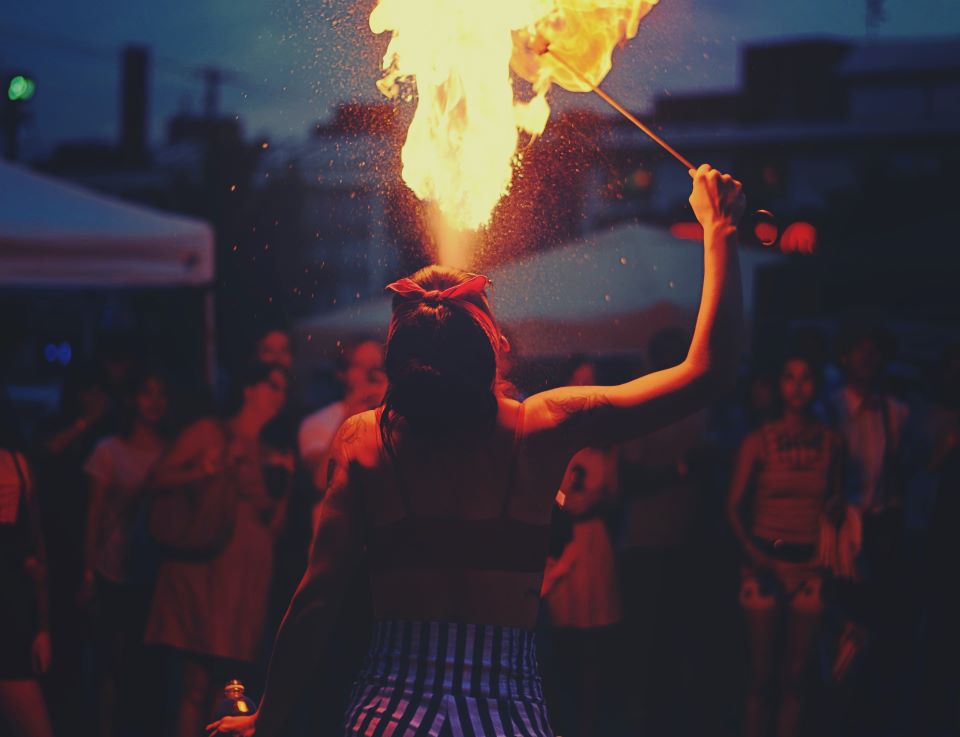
20	88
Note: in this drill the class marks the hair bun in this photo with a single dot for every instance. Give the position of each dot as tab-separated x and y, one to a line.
430	401
441	358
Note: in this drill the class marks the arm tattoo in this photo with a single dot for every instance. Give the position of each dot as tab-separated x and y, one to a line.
350	430
577	404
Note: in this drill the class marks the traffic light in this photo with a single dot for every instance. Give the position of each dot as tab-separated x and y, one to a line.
20	89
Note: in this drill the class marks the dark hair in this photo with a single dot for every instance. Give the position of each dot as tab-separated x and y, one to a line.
265	330
251	374
855	334
136	383
441	361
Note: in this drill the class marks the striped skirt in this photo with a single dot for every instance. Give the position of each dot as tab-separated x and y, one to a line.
446	679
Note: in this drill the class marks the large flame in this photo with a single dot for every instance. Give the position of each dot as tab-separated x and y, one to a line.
455	56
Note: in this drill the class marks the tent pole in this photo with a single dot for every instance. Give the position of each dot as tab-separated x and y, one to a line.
210	338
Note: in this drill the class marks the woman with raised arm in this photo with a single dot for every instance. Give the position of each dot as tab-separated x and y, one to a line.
449	486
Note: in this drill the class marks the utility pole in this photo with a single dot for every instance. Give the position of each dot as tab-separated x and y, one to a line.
875	15
213	78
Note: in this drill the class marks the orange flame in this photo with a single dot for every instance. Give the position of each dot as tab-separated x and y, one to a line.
455	57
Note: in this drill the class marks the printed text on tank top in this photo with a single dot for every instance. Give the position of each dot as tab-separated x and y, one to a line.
792	482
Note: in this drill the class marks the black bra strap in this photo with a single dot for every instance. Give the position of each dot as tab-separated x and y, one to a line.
385	453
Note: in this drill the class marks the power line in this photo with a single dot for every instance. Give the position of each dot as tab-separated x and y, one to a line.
165	64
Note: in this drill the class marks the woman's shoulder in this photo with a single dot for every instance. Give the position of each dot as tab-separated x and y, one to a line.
204	430
105	450
755	438
358	435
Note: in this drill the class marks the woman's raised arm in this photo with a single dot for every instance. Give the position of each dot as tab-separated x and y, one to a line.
576	417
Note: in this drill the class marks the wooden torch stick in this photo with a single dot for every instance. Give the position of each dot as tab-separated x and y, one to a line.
621	109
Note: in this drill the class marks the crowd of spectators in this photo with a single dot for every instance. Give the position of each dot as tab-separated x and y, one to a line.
777	564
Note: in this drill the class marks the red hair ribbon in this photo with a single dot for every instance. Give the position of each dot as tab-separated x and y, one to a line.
471	287
409	288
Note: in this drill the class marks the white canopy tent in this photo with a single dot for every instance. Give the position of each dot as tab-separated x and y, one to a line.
602	295
54	234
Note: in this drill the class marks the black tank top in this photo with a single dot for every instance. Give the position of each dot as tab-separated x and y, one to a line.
425	543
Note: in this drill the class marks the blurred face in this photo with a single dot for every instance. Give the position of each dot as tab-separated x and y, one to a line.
796	385
93	401
274	347
151	401
266	398
584	375
864	362
364	379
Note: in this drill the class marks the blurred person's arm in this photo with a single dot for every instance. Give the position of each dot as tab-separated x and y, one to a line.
596	485
836	478
315	442
555	570
603	416
195	455
611	489
93	535
36	565
304	631
747	459
943	447
62	439
99	470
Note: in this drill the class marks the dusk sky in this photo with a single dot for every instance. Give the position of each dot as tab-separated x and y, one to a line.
295	59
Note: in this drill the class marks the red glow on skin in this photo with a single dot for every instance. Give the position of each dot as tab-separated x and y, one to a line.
799	237
687	231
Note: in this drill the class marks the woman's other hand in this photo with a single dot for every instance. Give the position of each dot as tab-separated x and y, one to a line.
40	652
88	589
760	561
245	726
717	199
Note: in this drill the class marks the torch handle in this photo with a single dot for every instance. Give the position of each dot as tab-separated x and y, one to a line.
759	215
622	110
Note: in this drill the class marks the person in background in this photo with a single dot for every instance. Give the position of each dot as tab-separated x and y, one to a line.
211	610
274	347
580	589
939	711
62	444
879	605
117	581
793	467
661	480
25	645
360	372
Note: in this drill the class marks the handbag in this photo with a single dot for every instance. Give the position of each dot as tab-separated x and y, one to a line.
196	519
